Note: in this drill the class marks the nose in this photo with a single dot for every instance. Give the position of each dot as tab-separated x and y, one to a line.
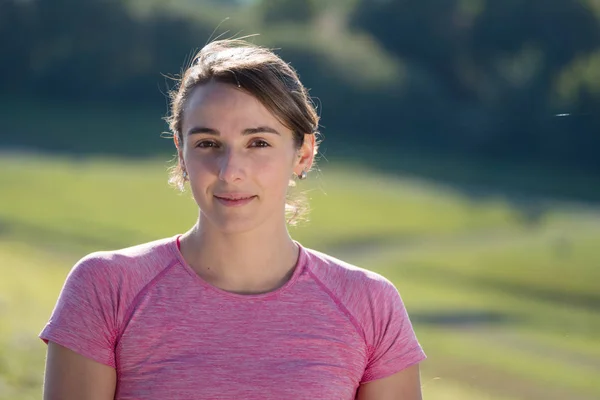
231	168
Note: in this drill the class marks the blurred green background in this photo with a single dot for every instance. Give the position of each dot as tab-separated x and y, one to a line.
461	159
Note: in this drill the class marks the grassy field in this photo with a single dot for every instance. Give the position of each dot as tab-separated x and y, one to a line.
506	306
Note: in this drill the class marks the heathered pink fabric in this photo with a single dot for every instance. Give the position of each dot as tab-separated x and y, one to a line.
171	335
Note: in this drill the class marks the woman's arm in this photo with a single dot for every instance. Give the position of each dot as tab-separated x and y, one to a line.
72	376
403	385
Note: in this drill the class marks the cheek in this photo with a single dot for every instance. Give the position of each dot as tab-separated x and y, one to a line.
275	170
274	179
200	164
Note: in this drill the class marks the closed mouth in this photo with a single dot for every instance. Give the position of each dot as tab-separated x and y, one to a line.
234	198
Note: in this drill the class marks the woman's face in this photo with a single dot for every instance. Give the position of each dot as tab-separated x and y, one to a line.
239	158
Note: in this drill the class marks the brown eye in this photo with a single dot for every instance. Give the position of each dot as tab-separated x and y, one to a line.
205	144
260	143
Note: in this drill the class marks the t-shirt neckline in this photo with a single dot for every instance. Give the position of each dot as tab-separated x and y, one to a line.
300	265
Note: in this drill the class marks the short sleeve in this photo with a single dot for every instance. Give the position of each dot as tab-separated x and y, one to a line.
84	317
391	340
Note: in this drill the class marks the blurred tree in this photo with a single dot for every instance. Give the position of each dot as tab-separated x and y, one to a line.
287	11
494	65
479	78
15	38
93	49
462	42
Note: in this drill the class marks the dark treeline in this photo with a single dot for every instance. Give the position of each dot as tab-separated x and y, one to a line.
485	79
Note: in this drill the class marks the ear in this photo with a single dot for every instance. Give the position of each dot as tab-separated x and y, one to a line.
179	147
305	154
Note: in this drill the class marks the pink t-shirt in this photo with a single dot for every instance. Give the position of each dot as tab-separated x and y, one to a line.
171	335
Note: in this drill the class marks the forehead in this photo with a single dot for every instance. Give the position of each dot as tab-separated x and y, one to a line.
221	106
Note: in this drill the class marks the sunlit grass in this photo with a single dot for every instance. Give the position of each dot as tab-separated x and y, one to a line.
31	279
446	389
526	293
514	304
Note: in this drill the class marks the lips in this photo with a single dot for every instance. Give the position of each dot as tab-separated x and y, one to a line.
234	197
234	200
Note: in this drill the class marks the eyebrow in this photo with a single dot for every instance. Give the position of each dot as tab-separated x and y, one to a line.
247	131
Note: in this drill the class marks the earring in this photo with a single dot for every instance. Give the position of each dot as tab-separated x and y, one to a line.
302	175
185	175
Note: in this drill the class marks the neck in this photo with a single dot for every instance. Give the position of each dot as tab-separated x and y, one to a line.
257	261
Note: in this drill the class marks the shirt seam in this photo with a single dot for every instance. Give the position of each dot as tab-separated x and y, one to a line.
59	339
343	309
137	299
417	356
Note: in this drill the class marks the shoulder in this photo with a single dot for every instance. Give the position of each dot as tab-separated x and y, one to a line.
344	278
135	263
367	297
374	305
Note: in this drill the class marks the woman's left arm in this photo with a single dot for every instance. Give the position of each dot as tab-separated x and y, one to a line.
403	385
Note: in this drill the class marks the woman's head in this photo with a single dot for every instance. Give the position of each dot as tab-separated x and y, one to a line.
243	124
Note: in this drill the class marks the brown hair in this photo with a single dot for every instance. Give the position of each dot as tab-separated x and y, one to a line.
259	72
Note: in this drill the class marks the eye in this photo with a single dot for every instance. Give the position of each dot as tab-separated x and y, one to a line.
260	143
205	144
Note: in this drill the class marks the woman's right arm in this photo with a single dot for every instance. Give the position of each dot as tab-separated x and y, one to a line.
70	375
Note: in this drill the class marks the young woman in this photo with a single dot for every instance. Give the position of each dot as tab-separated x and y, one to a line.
234	308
